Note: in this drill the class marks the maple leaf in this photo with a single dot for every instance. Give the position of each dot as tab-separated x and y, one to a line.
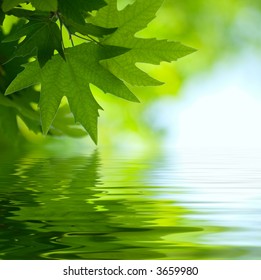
72	79
129	21
42	36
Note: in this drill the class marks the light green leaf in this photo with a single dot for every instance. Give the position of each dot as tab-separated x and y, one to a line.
30	76
128	22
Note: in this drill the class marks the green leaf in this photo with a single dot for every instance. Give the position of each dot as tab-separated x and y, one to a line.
28	14
30	76
5	101
42	37
10	4
76	9
129	21
24	30
45	5
150	51
72	79
42	5
87	28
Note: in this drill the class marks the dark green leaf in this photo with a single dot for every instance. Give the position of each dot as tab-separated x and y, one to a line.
8	71
45	5
77	9
28	14
87	28
10	4
42	38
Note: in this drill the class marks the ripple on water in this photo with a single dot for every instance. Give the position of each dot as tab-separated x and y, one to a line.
179	205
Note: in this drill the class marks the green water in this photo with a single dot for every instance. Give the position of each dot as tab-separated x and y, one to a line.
130	205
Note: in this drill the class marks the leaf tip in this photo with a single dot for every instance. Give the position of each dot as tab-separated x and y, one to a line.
8	92
94	138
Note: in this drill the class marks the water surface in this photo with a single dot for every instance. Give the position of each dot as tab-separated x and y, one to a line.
131	205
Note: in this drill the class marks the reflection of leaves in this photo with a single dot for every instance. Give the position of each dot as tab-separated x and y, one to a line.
41	200
63	187
57	208
17	240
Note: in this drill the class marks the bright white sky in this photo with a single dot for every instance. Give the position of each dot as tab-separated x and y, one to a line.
218	109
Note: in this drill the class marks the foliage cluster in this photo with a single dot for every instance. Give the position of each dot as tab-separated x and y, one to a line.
104	51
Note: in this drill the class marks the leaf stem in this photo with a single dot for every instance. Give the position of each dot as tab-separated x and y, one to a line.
68	31
71	39
87	39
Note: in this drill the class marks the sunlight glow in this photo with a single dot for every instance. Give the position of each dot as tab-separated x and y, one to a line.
220	109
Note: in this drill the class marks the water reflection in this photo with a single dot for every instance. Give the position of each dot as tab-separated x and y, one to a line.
101	206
